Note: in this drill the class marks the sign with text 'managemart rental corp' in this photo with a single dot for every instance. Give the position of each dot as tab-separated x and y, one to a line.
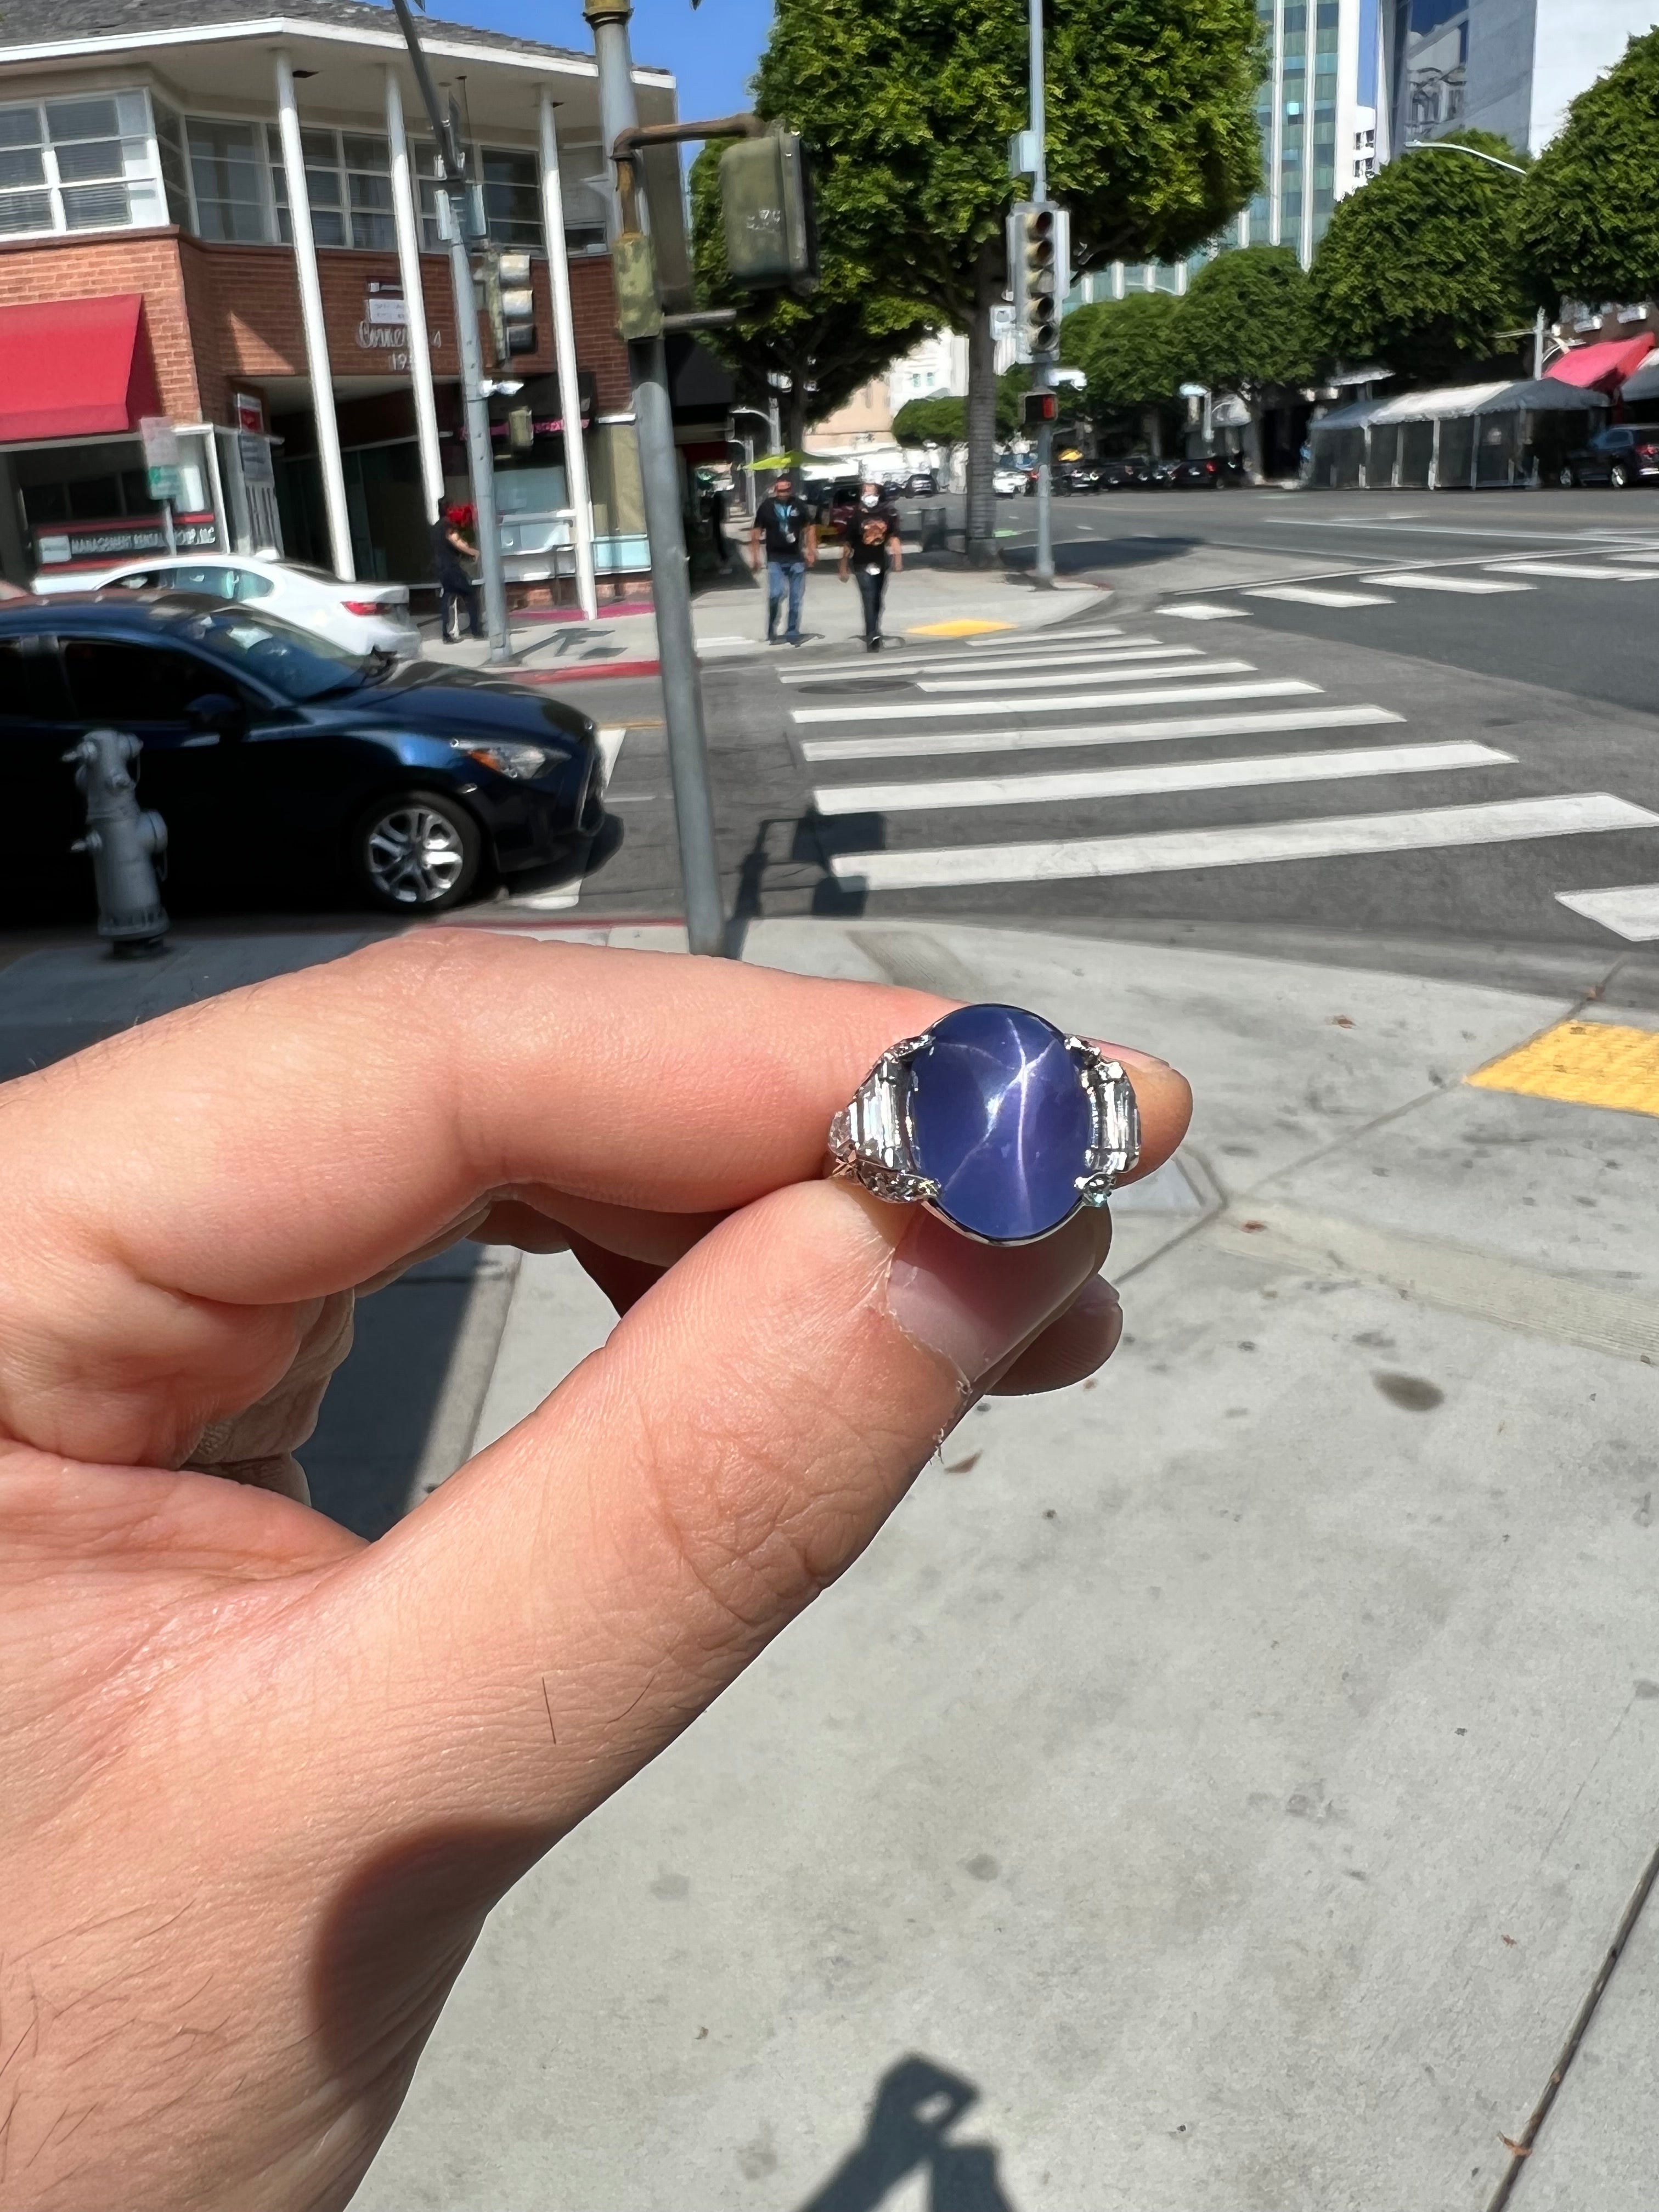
73	543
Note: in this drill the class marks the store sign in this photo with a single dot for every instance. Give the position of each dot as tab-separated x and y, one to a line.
385	325
79	544
250	413
254	454
386	305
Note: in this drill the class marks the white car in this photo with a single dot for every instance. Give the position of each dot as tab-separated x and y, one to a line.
361	618
1007	484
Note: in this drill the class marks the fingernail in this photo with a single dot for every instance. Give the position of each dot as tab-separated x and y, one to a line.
975	1304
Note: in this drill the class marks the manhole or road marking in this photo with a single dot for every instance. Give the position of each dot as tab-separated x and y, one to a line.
1583	1064
964	626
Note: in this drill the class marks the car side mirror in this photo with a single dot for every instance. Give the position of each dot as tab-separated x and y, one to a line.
217	711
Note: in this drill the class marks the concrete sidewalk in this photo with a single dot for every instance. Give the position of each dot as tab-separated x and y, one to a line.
1221	1784
729	617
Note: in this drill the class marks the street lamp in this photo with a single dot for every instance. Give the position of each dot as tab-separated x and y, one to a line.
1515	169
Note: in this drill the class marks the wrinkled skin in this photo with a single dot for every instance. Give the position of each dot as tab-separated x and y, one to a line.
263	1781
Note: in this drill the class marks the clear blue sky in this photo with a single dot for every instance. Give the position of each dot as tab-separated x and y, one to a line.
712	51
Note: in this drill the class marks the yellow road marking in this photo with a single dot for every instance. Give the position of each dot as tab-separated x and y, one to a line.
966	627
1584	1064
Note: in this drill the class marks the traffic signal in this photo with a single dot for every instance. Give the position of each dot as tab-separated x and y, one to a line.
766	204
1037	408
1038	243
509	303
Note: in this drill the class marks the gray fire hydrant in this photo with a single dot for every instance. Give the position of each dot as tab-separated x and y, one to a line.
125	843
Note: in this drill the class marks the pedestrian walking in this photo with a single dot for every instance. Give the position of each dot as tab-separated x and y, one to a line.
451	549
714	514
870	547
784	525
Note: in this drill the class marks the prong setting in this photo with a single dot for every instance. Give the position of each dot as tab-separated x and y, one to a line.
871	1139
1114	1147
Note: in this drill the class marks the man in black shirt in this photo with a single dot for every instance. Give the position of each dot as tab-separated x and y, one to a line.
784	524
870	546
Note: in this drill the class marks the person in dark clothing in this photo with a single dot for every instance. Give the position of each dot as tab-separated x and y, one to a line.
784	524
450	548
870	547
713	511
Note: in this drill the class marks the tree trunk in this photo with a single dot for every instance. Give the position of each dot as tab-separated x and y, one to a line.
795	417
1151	430
1252	435
982	406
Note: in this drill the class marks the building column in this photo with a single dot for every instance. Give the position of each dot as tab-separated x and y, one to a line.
407	214
564	350
316	329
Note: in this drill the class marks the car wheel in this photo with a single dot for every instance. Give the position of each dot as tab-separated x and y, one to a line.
414	853
1619	476
1567	480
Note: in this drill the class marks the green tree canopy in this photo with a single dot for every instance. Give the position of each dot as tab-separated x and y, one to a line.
1129	348
1246	324
1421	270
936	419
1587	216
908	106
828	344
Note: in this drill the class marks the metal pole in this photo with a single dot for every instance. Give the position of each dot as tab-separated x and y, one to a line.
406	217
1538	345
480	454
1043	364
670	584
564	353
316	326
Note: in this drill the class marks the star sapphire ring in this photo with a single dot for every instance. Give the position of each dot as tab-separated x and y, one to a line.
995	1121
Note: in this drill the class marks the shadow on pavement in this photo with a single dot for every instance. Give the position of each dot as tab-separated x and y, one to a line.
916	2104
813	840
1073	555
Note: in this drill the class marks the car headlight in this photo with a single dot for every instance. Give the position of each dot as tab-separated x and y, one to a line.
506	755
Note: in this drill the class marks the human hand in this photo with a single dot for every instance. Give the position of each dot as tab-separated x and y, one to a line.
263	1781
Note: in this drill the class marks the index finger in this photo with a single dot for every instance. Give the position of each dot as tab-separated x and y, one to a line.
293	1138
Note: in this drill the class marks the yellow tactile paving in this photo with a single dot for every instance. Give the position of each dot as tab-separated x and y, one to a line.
968	626
1585	1064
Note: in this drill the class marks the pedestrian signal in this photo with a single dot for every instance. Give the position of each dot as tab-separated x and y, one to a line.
1037	408
766	205
509	305
1038	253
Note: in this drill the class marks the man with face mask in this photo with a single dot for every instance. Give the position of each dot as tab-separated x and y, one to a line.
784	524
871	546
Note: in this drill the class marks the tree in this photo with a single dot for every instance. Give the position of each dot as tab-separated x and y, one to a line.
1587	216
828	344
1129	351
1012	385
936	419
1421	270
1245	324
908	106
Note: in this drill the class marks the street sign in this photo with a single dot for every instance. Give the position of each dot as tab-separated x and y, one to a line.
254	455
162	484
250	411
160	442
1002	319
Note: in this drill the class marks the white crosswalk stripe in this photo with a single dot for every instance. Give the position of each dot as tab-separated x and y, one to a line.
1629	910
1577	571
1260	687
1419	830
1114	656
1098	674
1309	595
1398	579
932	744
1163	777
1200	611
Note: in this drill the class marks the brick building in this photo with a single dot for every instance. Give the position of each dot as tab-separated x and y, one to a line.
161	162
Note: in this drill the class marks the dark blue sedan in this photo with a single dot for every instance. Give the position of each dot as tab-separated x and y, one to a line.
280	761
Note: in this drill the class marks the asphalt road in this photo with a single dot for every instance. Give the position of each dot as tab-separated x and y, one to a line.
1443	734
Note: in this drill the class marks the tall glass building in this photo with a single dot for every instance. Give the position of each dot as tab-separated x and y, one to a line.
1320	73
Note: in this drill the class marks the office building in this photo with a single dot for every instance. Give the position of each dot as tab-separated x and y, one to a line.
1511	66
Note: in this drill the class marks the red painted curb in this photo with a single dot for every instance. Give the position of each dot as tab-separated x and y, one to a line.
588	675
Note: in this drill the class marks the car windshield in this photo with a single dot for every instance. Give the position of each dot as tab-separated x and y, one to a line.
295	662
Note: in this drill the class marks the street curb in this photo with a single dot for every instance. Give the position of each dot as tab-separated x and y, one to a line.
588	675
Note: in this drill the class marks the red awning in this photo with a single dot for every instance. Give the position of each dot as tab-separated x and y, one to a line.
1600	367
73	369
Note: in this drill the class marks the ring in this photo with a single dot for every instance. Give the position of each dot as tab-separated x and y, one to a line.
995	1121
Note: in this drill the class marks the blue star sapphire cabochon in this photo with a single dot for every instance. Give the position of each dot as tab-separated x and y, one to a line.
996	1120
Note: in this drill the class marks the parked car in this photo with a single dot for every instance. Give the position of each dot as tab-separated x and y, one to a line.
1076	477
1203	472
1624	454
279	759
1008	482
922	483
1124	471
361	617
836	505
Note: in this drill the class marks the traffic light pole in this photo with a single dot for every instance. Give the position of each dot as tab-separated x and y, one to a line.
1043	364
671	582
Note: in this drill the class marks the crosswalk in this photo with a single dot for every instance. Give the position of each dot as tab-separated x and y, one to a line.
1483	577
973	734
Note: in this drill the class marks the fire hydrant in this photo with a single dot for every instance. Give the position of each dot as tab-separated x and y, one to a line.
125	843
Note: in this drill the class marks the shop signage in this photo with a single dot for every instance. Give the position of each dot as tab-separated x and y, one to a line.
160	442
386	305
254	455
78	543
250	413
385	325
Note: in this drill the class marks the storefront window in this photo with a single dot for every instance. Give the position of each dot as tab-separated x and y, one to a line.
78	165
347	183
